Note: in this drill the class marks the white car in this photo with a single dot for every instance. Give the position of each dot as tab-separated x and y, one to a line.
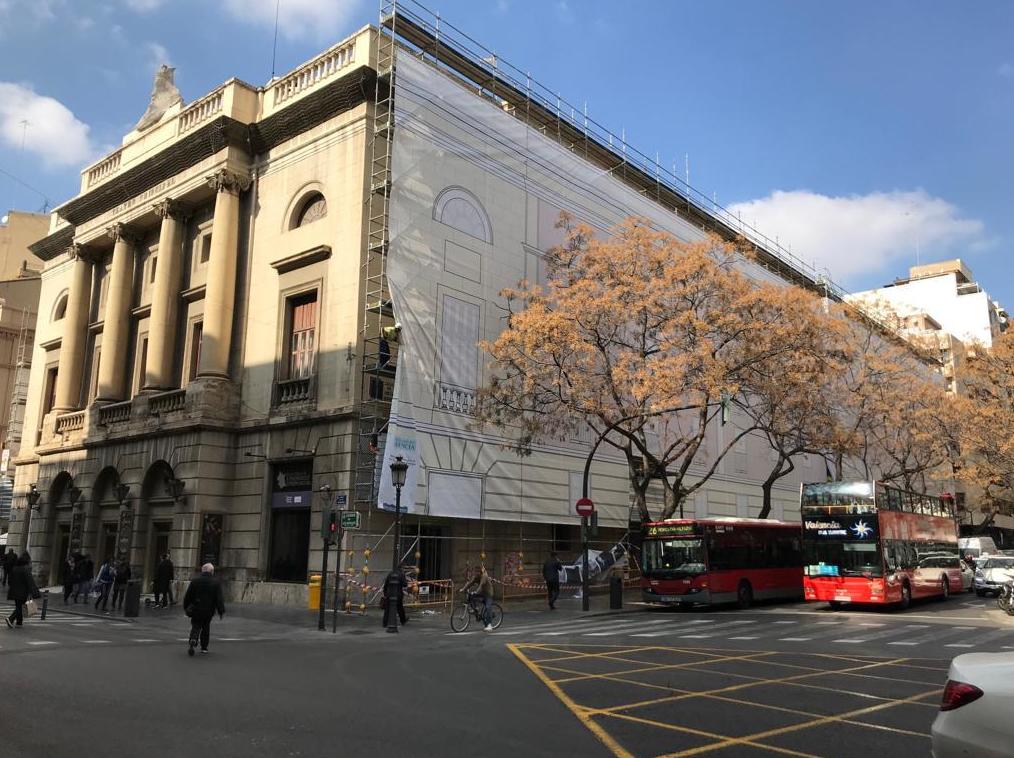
967	577
992	573
975	715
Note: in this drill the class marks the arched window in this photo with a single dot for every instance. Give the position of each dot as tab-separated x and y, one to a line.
61	307
314	207
460	209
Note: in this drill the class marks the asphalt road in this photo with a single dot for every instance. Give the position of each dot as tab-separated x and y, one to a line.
776	680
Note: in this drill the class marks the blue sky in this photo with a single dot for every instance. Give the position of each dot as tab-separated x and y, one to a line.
862	134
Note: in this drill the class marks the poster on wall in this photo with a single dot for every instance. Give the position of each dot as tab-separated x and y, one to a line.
292	485
76	532
399	442
124	534
211	539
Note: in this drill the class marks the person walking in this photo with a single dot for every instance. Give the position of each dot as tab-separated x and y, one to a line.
120	584
21	588
69	571
10	560
551	573
85	572
483	592
402	583
164	574
202	600
103	582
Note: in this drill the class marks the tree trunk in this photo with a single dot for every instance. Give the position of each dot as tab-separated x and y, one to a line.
839	467
777	473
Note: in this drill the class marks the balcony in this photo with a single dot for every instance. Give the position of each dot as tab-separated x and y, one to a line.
106	167
290	391
200	111
167	402
312	73
114	413
457	399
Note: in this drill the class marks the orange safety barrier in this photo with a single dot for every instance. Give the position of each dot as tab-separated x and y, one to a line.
428	594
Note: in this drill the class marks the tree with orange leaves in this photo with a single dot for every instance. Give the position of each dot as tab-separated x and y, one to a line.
642	337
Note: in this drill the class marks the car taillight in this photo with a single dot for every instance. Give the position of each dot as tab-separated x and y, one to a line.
957	694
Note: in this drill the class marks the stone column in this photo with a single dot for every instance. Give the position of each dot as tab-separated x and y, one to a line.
116	320
220	292
165	298
75	333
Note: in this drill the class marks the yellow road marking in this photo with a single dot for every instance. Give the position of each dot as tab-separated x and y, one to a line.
644	669
603	736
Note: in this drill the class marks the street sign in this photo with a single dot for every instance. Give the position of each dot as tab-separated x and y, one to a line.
350	519
341	500
584	507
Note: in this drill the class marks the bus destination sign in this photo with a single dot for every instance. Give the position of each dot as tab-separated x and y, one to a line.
841	527
672	530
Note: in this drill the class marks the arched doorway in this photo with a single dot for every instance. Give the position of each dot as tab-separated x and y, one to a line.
58	517
158	506
105	512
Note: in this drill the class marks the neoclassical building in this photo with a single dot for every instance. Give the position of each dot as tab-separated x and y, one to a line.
261	296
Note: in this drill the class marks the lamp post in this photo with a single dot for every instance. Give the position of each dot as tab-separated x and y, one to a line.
33	496
399	471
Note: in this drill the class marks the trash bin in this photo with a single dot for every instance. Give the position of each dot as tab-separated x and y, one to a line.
313	593
132	598
615	592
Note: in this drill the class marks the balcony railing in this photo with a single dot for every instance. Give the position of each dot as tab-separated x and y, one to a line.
167	402
70	422
293	391
457	399
200	111
114	413
313	72
104	168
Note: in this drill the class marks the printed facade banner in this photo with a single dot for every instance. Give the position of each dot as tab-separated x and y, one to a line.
400	440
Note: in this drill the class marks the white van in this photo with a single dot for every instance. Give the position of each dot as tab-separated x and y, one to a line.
976	546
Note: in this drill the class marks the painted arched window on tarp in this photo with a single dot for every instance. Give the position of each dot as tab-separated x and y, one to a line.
459	209
313	208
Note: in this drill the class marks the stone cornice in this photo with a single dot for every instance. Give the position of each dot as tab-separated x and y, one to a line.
305	258
54	245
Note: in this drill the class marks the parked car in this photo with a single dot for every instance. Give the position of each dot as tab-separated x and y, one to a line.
974	719
992	573
967	577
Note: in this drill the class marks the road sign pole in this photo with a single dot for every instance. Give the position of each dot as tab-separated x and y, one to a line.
323	587
584	563
337	581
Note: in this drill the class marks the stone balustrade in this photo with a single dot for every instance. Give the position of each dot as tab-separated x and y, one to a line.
70	422
457	399
312	73
293	391
200	111
114	413
167	402
107	166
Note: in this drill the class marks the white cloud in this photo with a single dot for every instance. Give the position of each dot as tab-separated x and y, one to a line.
298	19
157	55
53	132
862	234
144	6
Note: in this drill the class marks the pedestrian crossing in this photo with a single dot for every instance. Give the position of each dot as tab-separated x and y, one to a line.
838	634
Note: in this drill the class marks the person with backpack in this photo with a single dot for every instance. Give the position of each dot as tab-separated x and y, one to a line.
202	600
21	588
103	583
120	584
551	573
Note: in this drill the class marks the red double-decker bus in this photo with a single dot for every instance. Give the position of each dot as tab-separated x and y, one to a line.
721	560
867	542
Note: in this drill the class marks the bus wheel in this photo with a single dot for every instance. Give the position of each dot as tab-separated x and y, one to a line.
906	596
744	595
945	588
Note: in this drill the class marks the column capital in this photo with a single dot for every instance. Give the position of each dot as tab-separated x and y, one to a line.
78	252
224	180
121	232
170	208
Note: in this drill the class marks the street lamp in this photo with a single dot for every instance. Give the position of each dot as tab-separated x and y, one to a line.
121	491
399	472
174	488
33	496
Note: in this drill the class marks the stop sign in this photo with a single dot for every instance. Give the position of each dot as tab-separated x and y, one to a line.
584	507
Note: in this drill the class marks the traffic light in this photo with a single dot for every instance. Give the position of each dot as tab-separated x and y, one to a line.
329	523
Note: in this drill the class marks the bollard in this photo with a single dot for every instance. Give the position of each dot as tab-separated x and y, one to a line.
45	605
615	592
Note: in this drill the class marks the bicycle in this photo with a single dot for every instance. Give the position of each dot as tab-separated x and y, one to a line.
474	606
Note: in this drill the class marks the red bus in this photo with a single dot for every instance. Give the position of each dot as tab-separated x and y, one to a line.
867	542
721	560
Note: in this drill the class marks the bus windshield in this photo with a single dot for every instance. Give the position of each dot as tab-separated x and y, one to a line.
835	498
667	558
843	559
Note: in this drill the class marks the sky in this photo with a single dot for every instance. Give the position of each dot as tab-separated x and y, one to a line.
866	136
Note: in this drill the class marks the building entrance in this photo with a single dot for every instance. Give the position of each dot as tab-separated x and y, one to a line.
62	547
107	543
290	544
159	546
432	549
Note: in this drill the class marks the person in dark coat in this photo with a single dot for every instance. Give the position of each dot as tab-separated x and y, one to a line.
68	570
402	583
104	583
20	588
202	600
551	573
120	584
10	560
85	572
165	572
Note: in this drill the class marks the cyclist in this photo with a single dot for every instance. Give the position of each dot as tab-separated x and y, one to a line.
484	592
